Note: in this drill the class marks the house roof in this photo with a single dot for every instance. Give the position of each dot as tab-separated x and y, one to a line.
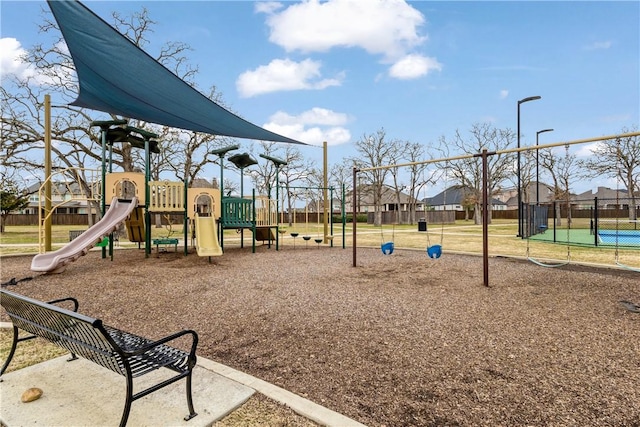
365	193
454	195
603	193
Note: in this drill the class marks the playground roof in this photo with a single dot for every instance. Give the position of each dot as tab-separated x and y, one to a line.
117	77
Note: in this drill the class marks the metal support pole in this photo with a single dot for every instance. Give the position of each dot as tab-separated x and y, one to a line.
344	218
47	173
185	220
325	184
538	165
277	207
103	202
485	214
147	197
485	218
353	219
522	101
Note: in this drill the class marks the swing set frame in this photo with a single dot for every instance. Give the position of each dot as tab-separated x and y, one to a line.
484	155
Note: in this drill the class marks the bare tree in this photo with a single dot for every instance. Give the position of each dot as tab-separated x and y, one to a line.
619	159
375	151
297	172
395	157
561	169
341	176
415	153
468	171
77	144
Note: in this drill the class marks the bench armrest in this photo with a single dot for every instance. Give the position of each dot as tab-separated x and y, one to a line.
144	348
75	302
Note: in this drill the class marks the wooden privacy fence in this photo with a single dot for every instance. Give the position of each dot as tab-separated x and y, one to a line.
78	219
433	217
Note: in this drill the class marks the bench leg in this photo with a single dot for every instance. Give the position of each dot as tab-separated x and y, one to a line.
127	403
14	344
192	412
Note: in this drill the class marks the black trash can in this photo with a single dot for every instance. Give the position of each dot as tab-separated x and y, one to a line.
422	224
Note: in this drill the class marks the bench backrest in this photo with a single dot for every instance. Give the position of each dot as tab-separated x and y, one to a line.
79	334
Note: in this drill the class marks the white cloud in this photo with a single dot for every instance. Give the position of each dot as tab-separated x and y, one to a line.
504	93
312	127
267	7
389	29
11	53
598	45
384	27
10	62
413	66
283	74
586	150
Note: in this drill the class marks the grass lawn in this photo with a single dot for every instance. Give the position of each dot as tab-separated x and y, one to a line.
463	236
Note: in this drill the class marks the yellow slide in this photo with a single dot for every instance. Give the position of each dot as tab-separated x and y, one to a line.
207	236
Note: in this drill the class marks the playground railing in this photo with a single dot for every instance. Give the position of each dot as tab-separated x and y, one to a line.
237	212
166	196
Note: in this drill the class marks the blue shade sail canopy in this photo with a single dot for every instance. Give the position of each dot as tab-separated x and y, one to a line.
117	77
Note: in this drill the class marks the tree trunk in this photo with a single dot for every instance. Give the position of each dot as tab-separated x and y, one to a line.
477	214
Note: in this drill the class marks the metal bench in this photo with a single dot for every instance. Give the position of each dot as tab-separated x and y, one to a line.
124	353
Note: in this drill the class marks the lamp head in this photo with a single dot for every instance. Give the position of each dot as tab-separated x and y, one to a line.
531	98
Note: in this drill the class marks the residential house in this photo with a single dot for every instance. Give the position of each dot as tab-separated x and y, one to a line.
607	198
66	198
509	196
389	202
455	198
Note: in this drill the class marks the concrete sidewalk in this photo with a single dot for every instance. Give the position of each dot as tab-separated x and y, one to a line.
81	393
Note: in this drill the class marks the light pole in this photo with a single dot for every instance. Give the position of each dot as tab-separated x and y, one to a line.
521	101
538	165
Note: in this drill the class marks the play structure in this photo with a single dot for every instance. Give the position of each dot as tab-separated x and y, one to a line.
135	199
130	207
133	92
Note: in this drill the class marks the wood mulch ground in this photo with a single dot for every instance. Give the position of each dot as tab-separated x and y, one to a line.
399	340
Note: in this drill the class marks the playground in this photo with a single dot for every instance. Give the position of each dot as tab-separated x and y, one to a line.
397	340
406	338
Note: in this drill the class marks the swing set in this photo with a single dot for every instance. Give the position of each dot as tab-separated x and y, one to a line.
484	155
434	251
327	235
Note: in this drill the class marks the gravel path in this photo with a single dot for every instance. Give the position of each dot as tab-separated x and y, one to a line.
399	340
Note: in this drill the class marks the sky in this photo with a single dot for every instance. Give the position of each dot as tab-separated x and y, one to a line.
338	70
